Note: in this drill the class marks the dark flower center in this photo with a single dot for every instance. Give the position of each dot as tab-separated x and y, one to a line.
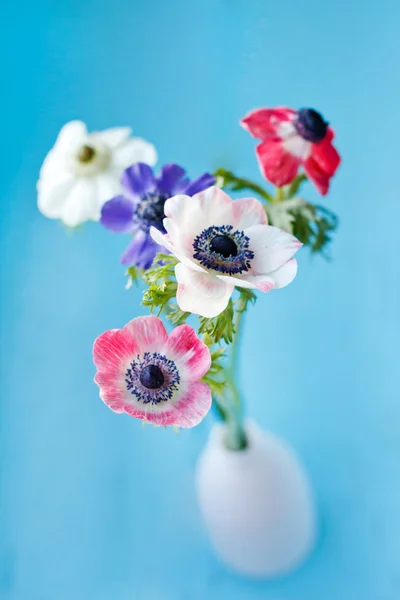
150	211
86	154
311	125
224	245
151	377
223	249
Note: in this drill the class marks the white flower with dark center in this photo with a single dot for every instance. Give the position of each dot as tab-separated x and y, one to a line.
82	171
222	243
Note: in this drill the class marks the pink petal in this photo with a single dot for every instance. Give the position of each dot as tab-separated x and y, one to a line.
113	349
112	394
262	123
319	177
190	354
187	411
201	293
326	156
191	408
276	164
148	332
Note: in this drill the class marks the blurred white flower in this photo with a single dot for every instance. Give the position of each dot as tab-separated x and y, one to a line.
82	171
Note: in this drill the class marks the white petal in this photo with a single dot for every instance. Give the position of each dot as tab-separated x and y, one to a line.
81	204
53	194
201	293
194	214
115	136
248	212
285	275
71	135
132	151
272	247
108	186
165	241
55	163
244	283
297	146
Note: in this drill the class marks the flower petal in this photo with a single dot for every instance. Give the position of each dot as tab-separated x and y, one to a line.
141	251
192	407
319	177
114	136
237	282
276	164
247	212
138	180
272	248
134	150
117	214
201	183
169	177
108	186
71	134
192	215
188	410
53	192
285	274
201	293
262	123
190	354
112	350
326	156
148	332
177	249
81	203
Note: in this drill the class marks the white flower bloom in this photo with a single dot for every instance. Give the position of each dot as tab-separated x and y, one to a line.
82	171
220	244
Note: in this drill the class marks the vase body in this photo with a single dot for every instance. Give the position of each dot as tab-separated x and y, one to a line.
256	503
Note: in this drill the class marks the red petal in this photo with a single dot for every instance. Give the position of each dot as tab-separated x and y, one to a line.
319	177
326	156
276	164
262	123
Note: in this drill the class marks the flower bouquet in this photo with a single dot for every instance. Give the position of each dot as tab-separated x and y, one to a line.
202	257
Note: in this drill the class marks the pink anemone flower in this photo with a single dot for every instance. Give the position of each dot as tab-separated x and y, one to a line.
290	139
150	375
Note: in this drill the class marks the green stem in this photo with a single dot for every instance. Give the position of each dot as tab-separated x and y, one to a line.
235	434
240	183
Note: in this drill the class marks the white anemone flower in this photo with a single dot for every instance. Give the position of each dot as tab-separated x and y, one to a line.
222	243
82	171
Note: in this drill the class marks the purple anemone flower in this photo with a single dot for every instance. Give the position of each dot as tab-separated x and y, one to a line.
141	206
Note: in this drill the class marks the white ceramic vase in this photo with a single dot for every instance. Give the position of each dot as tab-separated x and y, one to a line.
257	504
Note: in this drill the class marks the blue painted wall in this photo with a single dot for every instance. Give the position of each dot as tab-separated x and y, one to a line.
92	506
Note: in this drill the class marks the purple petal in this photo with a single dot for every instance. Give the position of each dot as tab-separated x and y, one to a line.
169	178
138	180
117	214
201	183
141	251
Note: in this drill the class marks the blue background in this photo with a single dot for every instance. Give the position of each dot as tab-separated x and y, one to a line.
92	506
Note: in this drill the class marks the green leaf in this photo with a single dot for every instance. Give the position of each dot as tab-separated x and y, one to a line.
176	315
215	378
245	297
134	276
220	327
311	224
